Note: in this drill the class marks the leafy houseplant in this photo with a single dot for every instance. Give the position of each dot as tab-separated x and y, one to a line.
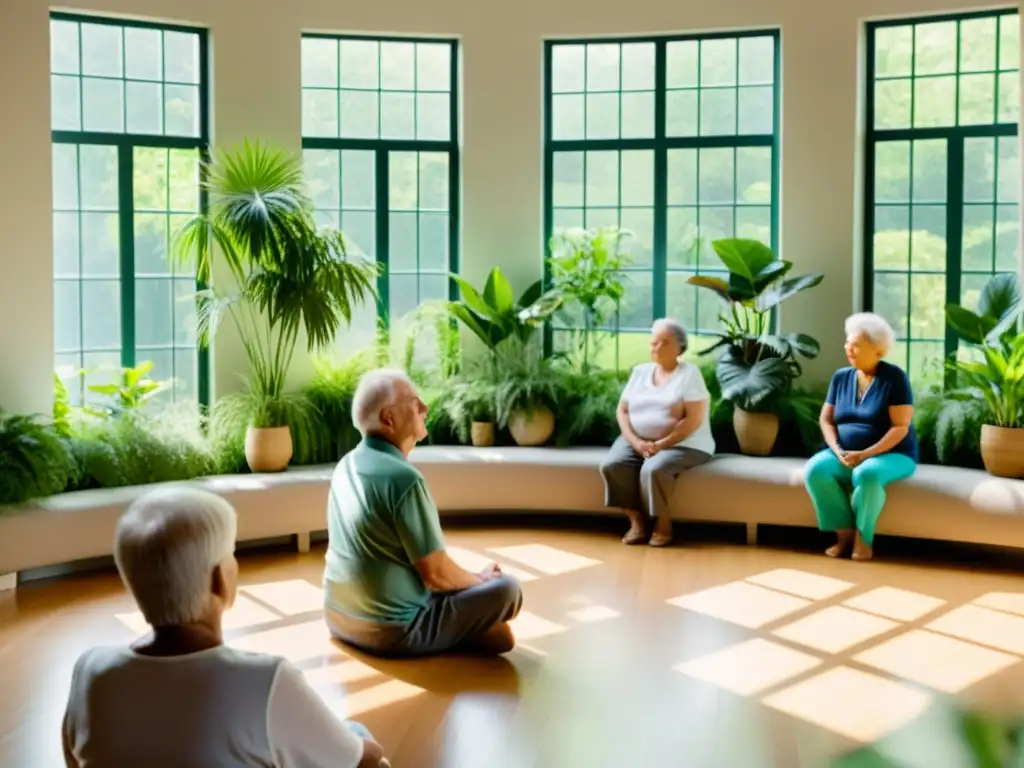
34	461
526	392
469	405
495	315
756	367
995	335
134	390
586	269
287	276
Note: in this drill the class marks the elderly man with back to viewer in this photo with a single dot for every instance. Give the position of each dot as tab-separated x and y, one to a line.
178	696
390	587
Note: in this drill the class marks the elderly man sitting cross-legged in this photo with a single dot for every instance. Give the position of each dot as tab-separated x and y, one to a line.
390	587
178	696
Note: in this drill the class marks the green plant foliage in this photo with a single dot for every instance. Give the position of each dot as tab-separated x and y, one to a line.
949	431
288	275
756	367
586	404
524	380
137	447
330	394
134	390
587	271
495	315
34	461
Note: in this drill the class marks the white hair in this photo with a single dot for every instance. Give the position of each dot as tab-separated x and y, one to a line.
166	546
377	390
675	328
873	327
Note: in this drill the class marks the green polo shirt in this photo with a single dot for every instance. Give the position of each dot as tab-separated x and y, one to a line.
380	520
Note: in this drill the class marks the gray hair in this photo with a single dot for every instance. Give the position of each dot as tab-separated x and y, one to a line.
675	328
873	327
377	390
166	546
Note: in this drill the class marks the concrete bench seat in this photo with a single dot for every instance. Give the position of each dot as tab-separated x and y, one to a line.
942	503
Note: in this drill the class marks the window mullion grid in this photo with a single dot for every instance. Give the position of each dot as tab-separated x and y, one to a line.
954	234
383	203
126	221
660	255
453	174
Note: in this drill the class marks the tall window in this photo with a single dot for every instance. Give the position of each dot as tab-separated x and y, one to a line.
675	140
380	144
128	118
942	174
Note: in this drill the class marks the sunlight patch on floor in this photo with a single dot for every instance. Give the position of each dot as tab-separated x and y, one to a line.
547	560
897	604
593	613
243	614
942	663
378	696
474	562
855	704
801	583
1008	602
747	605
530	626
339	674
750	667
834	629
984	626
297	643
289	597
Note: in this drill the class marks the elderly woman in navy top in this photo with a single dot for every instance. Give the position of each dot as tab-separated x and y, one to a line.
867	425
663	415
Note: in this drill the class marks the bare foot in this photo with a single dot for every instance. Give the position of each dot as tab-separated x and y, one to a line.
861	550
843	545
662	536
637	533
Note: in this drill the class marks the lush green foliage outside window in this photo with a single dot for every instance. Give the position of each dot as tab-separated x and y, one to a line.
129	124
380	143
942	174
673	139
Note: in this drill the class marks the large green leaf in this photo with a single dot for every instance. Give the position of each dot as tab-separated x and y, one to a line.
489	333
498	293
473	300
745	259
716	284
753	387
1000	295
968	325
778	293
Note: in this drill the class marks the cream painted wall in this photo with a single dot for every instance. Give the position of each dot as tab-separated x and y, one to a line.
256	93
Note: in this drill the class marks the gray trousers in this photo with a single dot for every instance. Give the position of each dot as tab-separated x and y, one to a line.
451	621
645	485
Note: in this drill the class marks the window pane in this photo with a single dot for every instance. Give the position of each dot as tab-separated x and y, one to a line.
715	88
941	74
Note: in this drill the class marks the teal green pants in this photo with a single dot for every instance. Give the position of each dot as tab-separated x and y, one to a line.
827	479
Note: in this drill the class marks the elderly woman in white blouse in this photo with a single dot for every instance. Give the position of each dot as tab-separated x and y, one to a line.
179	696
663	415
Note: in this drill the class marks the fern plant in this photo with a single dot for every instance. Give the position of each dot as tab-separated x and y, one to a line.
34	461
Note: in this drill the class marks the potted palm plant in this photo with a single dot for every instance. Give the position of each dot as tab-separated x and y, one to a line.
287	276
756	367
992	370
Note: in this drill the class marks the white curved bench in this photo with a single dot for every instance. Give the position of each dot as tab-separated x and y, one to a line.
942	503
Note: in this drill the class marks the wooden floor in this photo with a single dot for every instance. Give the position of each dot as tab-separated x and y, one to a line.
707	654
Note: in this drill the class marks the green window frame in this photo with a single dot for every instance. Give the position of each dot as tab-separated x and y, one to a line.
941	175
380	139
675	138
129	130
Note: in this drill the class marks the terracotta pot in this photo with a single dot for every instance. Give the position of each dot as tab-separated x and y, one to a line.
756	432
1002	450
532	427
481	434
268	450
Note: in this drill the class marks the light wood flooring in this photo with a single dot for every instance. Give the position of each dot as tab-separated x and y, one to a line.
705	655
